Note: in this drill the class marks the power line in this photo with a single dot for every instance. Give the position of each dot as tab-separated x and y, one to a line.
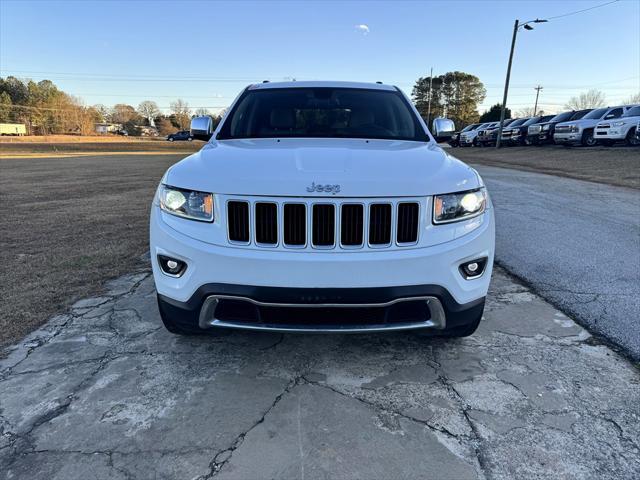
583	10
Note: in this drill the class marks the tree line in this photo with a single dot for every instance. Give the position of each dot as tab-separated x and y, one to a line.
46	110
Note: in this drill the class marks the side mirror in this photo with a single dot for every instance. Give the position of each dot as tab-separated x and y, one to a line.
202	128
443	129
610	115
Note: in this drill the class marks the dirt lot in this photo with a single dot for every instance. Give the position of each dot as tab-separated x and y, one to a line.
614	166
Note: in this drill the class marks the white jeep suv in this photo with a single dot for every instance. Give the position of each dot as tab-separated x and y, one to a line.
623	128
321	206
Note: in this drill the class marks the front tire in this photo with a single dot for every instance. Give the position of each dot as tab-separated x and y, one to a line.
170	139
587	139
631	138
172	321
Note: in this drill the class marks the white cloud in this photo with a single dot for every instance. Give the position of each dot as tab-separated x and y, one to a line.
362	28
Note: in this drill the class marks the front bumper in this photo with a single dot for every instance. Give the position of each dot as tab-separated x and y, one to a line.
545	137
533	138
290	309
609	134
304	279
567	137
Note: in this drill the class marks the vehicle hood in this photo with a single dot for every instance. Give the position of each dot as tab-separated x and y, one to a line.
287	167
581	122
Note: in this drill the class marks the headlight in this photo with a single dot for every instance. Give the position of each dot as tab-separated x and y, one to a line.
546	127
454	207
617	124
574	129
186	203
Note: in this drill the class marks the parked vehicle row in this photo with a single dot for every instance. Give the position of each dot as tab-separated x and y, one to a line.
600	126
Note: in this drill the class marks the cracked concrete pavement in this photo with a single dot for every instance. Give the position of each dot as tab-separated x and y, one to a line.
104	391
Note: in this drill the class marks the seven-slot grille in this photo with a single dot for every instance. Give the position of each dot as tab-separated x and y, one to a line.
323	224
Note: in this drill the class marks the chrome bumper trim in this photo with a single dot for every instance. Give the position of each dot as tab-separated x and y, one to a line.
207	318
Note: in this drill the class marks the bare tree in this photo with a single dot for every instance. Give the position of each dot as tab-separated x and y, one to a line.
148	110
632	100
202	112
591	99
182	113
122	113
529	112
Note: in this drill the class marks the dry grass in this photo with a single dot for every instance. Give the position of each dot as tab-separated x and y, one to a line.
89	144
617	165
76	139
68	224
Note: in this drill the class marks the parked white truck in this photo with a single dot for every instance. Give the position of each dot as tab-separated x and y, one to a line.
321	207
620	129
581	131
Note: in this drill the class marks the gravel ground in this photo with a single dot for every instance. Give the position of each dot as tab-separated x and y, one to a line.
105	392
617	165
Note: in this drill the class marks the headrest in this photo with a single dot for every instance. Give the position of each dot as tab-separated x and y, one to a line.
282	118
361	117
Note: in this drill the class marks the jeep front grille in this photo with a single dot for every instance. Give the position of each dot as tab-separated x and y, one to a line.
238	215
380	224
324	223
266	223
295	224
352	225
407	222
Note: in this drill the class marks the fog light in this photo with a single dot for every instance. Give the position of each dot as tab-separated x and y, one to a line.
474	268
172	266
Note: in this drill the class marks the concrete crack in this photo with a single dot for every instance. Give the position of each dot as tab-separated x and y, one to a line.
391	411
221	458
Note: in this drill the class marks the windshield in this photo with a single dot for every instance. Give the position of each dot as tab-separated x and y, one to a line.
595	114
517	122
473	126
304	112
578	115
633	112
562	117
531	121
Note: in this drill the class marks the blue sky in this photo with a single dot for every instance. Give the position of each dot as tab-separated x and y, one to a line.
206	51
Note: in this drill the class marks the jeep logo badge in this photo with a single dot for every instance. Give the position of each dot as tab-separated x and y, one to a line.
328	188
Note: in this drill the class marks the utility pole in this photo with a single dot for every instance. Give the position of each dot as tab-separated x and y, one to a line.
516	25
429	105
506	83
535	108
